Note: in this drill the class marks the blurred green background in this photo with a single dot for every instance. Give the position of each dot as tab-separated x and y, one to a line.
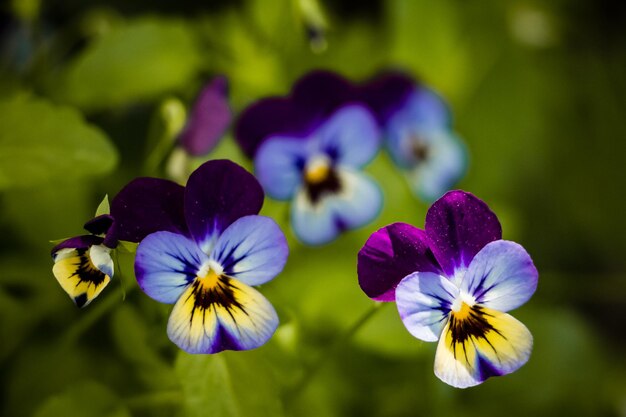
538	91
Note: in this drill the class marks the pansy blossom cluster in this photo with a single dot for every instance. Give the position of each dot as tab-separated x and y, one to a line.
309	147
203	247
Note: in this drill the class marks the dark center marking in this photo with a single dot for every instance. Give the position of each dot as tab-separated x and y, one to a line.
86	271
419	148
320	178
470	322
214	291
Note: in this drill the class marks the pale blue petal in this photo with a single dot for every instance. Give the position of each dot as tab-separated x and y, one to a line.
444	167
424	300
358	203
501	276
253	250
166	263
351	137
427	109
278	165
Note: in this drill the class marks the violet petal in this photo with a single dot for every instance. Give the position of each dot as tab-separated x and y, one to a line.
458	226
208	120
147	205
389	255
218	193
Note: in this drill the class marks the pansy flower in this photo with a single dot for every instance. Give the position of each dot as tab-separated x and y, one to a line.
309	148
454	282
208	119
83	265
418	134
208	268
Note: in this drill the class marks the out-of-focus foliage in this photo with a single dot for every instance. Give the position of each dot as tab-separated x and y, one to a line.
132	61
536	89
41	143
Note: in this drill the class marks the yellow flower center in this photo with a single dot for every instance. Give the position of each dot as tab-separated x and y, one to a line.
462	312
209	275
317	169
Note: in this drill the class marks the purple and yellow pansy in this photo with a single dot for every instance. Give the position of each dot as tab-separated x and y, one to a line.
208	267
309	148
454	282
83	265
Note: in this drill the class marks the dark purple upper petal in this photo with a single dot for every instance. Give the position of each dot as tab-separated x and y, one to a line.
77	242
271	116
389	255
313	98
99	225
319	93
387	93
218	193
146	205
208	120
458	226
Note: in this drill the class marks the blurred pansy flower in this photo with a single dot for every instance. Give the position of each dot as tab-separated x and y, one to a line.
417	127
208	268
309	148
83	265
454	282
207	121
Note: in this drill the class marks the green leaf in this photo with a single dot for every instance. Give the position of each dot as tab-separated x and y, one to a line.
229	384
135	343
103	207
127	247
41	143
87	399
136	61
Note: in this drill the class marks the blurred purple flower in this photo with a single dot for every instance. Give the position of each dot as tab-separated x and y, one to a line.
83	265
208	119
207	268
454	282
416	123
309	148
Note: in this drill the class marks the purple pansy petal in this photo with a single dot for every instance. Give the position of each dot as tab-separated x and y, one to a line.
458	226
278	165
247	322
253	250
426	108
321	92
144	206
218	193
389	255
503	348
208	120
270	117
99	225
442	169
387	93
77	242
351	136
165	265
424	300
357	203
501	276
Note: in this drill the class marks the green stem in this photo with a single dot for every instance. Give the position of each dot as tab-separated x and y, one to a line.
335	347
